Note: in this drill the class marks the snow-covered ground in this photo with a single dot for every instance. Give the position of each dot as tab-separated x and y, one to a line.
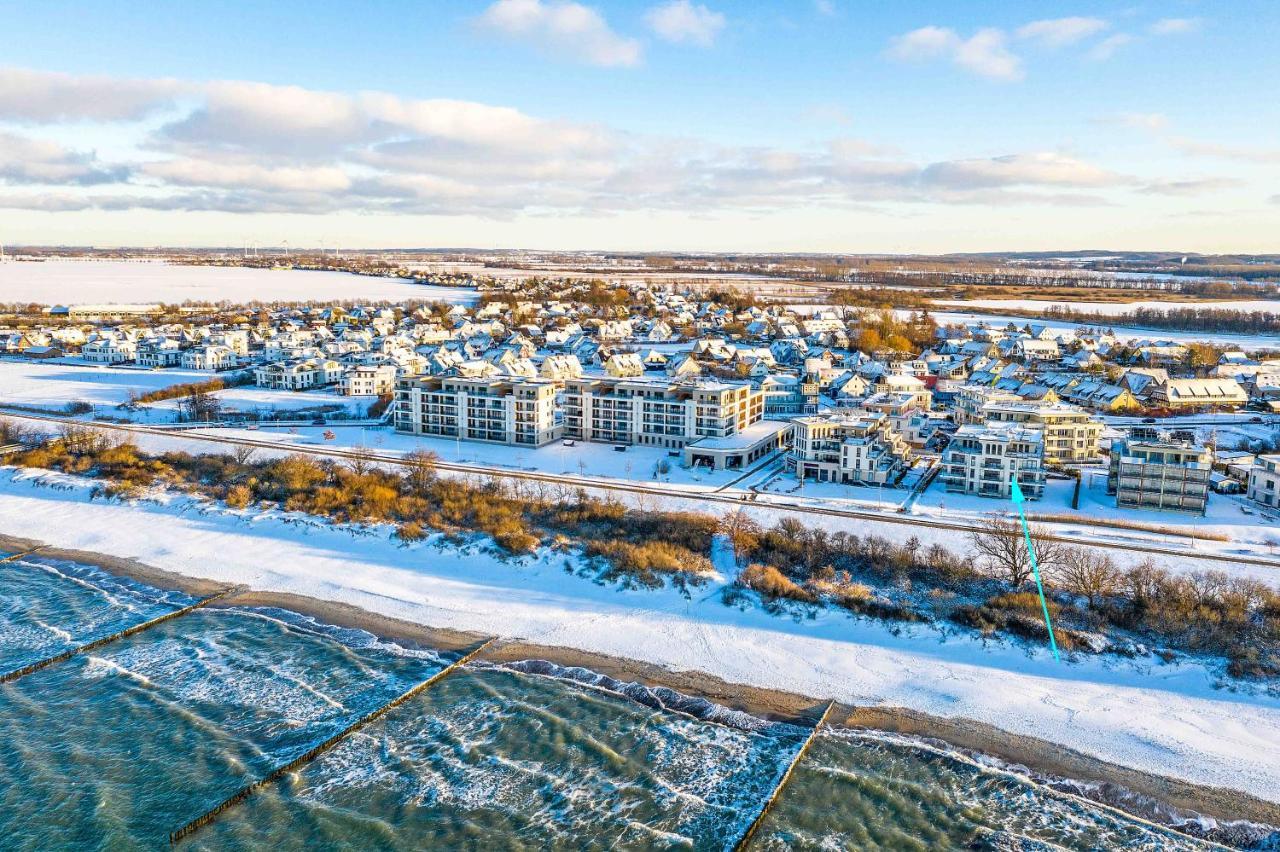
1166	718
636	463
1270	306
1241	341
95	282
597	468
43	384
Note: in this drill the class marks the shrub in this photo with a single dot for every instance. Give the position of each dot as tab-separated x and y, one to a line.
238	496
410	531
772	583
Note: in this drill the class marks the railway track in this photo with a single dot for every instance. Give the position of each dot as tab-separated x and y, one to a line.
725	497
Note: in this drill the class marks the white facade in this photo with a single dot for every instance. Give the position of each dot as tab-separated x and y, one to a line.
1264	481
368	380
503	410
984	460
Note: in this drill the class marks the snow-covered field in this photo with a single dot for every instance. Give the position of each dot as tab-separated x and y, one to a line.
94	282
1270	306
1167	718
48	385
1241	341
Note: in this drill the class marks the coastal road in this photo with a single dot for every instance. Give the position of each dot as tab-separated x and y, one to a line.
728	499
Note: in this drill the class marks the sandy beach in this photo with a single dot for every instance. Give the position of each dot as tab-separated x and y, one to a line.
1041	757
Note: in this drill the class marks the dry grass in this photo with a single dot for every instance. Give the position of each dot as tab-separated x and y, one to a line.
1137	526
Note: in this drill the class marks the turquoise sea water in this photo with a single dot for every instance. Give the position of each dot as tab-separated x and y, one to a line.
116	748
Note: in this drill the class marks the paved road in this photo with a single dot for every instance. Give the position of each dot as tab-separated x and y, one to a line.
727	498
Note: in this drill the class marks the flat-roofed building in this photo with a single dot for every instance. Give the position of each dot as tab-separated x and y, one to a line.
1264	481
1070	434
658	412
985	459
849	447
368	380
498	409
1158	474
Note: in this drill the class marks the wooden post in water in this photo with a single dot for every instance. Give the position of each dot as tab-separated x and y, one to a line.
98	643
16	556
278	773
745	840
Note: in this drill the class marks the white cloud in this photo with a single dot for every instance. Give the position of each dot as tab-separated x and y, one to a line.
46	96
924	43
1152	121
1059	32
1043	169
824	7
562	26
984	53
1174	26
1190	186
248	147
24	160
1108	47
681	22
1238	153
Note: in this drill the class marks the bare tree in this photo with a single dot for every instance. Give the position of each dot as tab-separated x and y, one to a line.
1001	543
84	439
1085	571
15	432
361	460
420	470
199	406
742	531
242	454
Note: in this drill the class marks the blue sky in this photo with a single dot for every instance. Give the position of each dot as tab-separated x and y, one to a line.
667	124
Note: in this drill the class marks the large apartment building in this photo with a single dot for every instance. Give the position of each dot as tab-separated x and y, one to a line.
985	459
658	412
499	409
854	447
1070	433
1156	474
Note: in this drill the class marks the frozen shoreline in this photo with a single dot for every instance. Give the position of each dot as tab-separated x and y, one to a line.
1092	719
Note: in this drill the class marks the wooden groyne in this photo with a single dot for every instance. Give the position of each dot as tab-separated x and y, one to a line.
745	840
106	640
302	759
16	556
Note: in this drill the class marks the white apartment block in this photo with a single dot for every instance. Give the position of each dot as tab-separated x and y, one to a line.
1070	434
1264	481
368	380
985	459
109	350
658	412
298	375
853	447
209	357
500	409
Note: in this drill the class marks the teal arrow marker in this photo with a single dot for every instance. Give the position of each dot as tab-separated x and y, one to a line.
1018	500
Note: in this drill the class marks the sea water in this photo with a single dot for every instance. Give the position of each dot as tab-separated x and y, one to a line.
116	748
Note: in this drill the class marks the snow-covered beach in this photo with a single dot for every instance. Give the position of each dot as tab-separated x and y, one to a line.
1165	718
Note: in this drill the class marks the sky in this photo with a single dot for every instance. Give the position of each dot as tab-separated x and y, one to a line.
660	125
